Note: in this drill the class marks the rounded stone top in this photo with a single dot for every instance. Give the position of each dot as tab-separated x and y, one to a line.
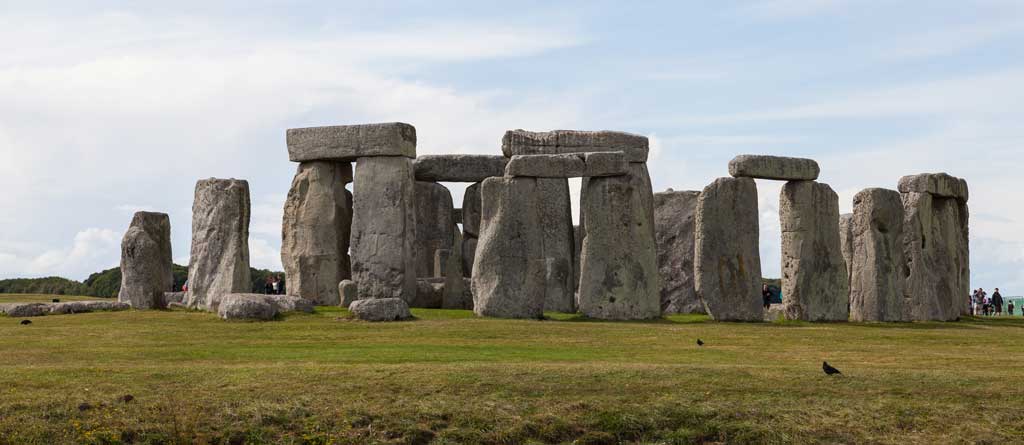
774	167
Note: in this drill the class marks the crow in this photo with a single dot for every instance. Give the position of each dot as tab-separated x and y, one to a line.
127	398
84	407
56	300
26	322
700	342
829	369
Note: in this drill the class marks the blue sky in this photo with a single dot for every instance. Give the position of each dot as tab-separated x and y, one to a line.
113	107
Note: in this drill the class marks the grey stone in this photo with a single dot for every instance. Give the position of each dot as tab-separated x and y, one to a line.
509	270
939	184
348	292
619	277
457	215
934	247
469	245
219	262
569	165
173	297
315	231
434	225
381	309
727	260
558	245
774	167
429	293
454	280
577	237
459	168
81	307
146	261
877	284
815	283
675	218
25	309
846	241
471	211
245	306
522	142
384	228
346	143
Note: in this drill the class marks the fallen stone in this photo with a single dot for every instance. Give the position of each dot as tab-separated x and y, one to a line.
346	143
938	184
384	228
675	218
381	309
815	284
727	259
315	231
471	211
243	306
936	256
434	225
81	307
774	167
509	270
348	292
459	168
522	142
877	284
219	263
570	165
146	261
558	244
25	309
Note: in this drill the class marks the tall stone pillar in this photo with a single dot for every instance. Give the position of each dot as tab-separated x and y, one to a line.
219	263
146	261
556	227
675	217
434	225
878	281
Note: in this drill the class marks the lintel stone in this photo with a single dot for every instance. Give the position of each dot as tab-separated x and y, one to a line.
459	168
774	167
522	142
349	142
569	165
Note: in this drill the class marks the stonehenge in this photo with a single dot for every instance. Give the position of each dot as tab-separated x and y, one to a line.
219	263
773	167
246	306
675	216
459	168
877	282
146	261
381	309
348	143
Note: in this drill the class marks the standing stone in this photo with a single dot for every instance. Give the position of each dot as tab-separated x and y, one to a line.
815	285
877	286
384	228
509	271
455	295
619	266
577	236
556	226
727	260
315	231
469	245
434	225
675	218
146	261
965	258
219	264
846	241
471	211
933	247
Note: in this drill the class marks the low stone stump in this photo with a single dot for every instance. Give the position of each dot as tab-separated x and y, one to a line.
570	165
522	142
877	285
347	143
429	293
146	261
459	168
381	309
348	292
774	167
260	306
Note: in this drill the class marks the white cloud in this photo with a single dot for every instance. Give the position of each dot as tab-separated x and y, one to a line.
91	250
262	255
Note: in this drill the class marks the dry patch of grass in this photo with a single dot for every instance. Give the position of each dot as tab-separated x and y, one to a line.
450	378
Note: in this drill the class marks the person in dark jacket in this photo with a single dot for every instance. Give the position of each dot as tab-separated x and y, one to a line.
997	302
766	296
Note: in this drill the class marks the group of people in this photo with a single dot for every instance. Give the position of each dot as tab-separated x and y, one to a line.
273	286
982	304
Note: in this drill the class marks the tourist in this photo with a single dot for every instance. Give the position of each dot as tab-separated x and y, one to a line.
1009	308
184	286
766	296
980	299
268	286
997	302
276	285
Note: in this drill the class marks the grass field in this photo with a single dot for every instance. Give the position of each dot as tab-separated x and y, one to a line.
448	378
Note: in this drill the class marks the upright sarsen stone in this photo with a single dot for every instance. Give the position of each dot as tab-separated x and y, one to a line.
675	217
877	284
471	211
219	264
434	225
727	262
815	284
936	256
846	241
556	228
315	231
146	261
384	228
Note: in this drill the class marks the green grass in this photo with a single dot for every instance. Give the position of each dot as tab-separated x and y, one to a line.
40	298
450	378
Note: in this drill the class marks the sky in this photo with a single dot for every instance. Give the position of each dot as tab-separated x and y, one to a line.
107	108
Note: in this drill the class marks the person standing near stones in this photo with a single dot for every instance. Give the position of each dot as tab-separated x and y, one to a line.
997	302
766	296
980	300
268	286
275	285
1009	308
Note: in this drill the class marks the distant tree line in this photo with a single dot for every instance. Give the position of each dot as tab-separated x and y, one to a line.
107	283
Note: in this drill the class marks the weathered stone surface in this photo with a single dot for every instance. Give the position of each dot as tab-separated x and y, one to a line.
846	241
219	262
381	309
173	297
315	231
815	284
619	277
877	284
577	238
934	247
522	142
348	292
469	246
25	309
727	260
384	228
81	307
558	244
459	296
457	215
459	168
434	225
569	165
471	211
146	261
939	184
455	294
429	293
774	167
509	271
243	306
346	143
675	219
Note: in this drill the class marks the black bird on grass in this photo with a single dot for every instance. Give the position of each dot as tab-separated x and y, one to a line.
26	322
127	398
56	300
829	369
84	406
700	342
